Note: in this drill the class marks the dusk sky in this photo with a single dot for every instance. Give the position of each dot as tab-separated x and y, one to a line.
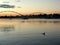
30	6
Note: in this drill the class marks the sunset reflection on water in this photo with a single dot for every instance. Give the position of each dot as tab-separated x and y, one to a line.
29	32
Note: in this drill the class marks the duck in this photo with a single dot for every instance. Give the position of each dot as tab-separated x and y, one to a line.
43	33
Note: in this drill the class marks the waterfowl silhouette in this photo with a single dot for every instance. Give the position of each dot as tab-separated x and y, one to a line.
43	33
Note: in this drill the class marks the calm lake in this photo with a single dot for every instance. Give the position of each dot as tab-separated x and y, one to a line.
30	32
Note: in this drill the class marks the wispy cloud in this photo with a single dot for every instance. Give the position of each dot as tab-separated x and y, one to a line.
6	6
9	1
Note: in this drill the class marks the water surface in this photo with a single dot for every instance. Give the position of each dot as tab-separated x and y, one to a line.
30	32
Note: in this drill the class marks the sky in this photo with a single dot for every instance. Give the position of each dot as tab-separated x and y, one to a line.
30	6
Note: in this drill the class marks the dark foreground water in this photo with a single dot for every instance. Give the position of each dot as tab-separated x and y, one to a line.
30	32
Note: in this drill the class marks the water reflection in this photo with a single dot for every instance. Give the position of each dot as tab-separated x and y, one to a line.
7	28
43	21
29	32
40	21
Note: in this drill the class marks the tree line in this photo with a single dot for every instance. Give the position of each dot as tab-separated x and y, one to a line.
38	16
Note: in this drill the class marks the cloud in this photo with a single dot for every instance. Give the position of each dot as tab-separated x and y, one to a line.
17	0
12	1
6	2
18	7
6	6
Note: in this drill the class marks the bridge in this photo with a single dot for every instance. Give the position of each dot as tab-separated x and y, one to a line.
5	15
1	12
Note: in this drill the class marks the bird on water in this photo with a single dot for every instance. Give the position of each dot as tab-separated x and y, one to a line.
43	34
